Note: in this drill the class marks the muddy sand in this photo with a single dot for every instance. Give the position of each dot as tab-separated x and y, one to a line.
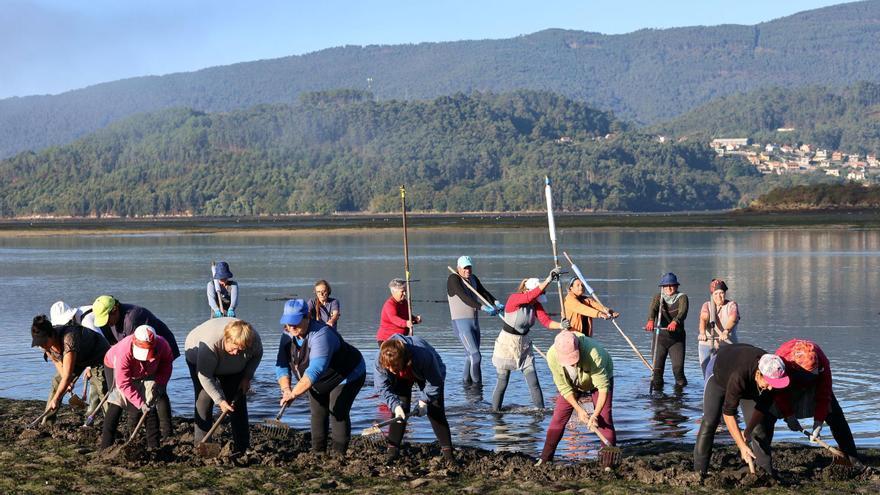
64	458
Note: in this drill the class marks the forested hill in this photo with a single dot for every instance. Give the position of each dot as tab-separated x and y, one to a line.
845	119
645	76
342	151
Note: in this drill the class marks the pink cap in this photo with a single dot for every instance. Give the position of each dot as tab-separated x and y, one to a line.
567	348
773	369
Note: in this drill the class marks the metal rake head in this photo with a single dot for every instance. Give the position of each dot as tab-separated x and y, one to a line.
274	429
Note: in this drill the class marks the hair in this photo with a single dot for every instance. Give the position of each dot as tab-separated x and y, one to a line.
393	354
42	328
239	333
522	285
326	285
397	284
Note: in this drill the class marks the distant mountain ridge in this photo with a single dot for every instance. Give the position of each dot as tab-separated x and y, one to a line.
646	76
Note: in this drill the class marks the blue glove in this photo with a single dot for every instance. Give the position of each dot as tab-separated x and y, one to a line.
499	307
230	313
488	310
217	313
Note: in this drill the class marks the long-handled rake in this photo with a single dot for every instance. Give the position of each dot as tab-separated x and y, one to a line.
212	449
90	419
374	435
609	455
840	458
275	428
33	424
114	452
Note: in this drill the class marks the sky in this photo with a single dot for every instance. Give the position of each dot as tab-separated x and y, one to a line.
52	46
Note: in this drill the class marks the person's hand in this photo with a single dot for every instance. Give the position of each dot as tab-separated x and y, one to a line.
794	424
417	319
565	324
702	337
594	420
583	416
673	326
649	326
816	430
724	335
287	396
422	409
88	374
245	385
554	274
611	314
489	310
145	408
747	455
226	407
52	404
399	413
217	313
230	313
499	307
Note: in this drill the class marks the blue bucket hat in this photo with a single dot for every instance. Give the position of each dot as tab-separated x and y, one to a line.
668	279
221	270
294	312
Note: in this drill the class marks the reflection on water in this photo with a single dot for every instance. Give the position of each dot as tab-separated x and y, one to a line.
815	284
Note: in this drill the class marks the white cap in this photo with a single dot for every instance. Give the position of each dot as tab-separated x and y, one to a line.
531	284
143	342
60	313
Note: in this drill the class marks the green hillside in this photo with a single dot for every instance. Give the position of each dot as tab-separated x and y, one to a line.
646	76
343	151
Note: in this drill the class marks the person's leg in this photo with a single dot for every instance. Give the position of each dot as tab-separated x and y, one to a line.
676	354
713	399
52	416
163	411
111	423
241	432
761	444
500	388
606	419
151	424
341	400
840	429
561	415
439	423
469	333
320	413
531	376
397	428
660	363
203	406
97	387
704	351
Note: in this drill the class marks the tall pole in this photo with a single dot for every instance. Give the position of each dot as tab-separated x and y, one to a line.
548	193
406	259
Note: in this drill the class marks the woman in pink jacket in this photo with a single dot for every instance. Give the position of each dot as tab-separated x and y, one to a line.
138	366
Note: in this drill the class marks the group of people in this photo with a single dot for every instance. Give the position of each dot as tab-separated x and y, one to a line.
128	354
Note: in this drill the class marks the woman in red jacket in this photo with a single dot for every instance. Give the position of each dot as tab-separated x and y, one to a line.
395	319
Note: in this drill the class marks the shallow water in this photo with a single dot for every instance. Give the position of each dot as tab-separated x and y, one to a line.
815	284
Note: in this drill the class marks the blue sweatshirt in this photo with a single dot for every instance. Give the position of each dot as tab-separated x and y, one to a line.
427	367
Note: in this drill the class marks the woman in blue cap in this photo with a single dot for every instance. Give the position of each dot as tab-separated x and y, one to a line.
672	306
331	370
222	291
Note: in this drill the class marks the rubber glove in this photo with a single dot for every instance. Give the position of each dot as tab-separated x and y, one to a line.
817	430
230	313
565	324
499	307
488	310
649	326
554	274
794	424
673	326
217	314
423	408
399	412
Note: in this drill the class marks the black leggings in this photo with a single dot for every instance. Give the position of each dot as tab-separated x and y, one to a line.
437	416
332	412
241	434
163	404
675	350
111	422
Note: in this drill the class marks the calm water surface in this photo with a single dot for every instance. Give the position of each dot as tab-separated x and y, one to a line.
815	284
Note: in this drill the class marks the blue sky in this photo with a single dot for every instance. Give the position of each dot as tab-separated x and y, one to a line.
50	46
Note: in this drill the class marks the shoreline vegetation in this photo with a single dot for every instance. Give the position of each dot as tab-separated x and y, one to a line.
64	458
291	224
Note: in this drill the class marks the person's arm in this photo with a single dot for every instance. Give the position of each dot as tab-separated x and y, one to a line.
544	318
382	385
334	313
682	309
572	305
483	291
122	375
823	388
282	365
206	363
455	287
212	296
732	317
733	427
233	296
320	351
389	315
732	396
704	323
600	404
66	372
654	308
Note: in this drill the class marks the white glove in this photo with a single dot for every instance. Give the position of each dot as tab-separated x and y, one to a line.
423	408
817	430
399	412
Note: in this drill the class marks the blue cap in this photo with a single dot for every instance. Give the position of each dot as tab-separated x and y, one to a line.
294	312
465	261
668	279
221	270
